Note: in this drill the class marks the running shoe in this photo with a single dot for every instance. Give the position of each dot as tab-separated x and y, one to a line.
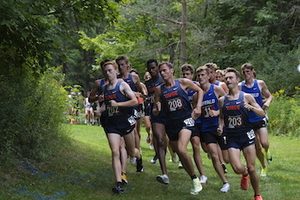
164	179
124	178
269	157
225	187
139	165
258	197
118	189
132	160
224	168
263	172
197	186
180	165
244	182
174	158
153	160
203	179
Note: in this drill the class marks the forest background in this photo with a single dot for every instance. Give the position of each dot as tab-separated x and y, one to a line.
50	48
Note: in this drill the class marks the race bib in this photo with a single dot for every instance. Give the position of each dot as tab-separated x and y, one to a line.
189	122
112	111
135	113
205	110
175	104
225	139
131	120
235	121
251	134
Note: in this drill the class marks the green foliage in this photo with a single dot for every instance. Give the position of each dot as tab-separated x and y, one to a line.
32	116
139	33
34	36
284	114
25	36
39	34
278	65
229	33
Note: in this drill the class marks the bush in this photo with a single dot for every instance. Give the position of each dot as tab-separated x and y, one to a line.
284	115
33	107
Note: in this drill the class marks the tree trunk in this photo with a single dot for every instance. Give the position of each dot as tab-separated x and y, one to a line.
183	57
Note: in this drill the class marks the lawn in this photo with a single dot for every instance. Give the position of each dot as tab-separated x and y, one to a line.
82	170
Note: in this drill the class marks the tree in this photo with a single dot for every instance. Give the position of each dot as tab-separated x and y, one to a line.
33	33
265	33
229	33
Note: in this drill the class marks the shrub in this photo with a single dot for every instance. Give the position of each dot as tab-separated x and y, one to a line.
33	107
284	114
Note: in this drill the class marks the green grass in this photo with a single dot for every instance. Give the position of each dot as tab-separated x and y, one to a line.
82	170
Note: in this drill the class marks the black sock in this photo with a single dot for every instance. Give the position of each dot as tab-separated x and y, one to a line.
193	177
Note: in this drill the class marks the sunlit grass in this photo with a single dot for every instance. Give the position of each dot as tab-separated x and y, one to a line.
82	170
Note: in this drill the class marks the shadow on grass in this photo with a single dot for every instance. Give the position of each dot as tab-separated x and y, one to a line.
73	174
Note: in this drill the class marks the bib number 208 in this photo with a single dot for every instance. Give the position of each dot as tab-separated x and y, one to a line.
175	104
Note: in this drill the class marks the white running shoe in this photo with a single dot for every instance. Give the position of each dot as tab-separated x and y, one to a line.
174	158
203	179
197	186
180	165
164	179
132	160
225	187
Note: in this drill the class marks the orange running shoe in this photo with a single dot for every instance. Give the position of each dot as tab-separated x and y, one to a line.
244	182
258	197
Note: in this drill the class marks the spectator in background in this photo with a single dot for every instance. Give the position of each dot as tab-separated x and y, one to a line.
89	112
220	75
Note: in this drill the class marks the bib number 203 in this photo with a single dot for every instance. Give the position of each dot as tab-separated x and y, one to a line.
235	121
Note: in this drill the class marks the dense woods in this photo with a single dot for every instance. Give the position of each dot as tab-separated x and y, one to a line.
49	44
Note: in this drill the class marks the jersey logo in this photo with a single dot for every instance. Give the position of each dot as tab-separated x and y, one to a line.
111	96
233	107
171	94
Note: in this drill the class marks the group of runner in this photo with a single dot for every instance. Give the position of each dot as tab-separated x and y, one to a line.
224	118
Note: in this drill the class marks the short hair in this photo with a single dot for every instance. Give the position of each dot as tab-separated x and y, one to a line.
237	74
187	67
114	64
247	66
212	66
202	68
151	61
170	65
221	72
123	57
103	61
134	70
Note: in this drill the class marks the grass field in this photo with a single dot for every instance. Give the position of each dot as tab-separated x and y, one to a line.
83	170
